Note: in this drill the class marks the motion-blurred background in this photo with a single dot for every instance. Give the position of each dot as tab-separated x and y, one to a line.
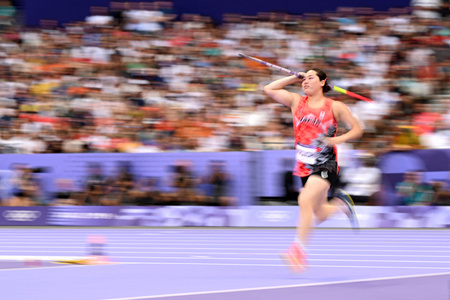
147	103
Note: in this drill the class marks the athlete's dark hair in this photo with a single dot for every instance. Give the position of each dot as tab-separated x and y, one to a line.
322	76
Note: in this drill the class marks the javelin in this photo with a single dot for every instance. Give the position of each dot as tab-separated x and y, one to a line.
337	89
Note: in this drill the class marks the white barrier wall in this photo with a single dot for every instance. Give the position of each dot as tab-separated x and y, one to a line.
250	216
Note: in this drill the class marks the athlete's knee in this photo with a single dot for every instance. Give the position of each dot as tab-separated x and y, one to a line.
320	216
305	200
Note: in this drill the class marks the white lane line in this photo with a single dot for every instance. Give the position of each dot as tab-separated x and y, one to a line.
205	230
281	287
55	267
171	244
202	257
221	237
234	264
272	253
38	257
209	254
310	254
208	233
237	264
224	240
278	259
114	249
420	234
371	241
176	240
281	265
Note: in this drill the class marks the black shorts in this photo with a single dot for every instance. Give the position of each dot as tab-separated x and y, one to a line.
331	177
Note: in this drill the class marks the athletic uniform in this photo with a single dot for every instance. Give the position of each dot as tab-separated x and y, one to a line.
311	125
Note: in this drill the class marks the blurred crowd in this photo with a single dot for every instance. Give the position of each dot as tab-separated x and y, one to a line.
24	185
137	77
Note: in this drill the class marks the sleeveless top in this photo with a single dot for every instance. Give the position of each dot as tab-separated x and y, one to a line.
311	125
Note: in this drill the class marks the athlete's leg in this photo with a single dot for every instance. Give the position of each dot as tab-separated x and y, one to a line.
312	193
310	198
325	209
341	203
345	202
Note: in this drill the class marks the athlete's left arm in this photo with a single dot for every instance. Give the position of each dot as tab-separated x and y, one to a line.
342	113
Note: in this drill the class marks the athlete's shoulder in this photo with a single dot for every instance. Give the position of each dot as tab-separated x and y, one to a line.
337	104
339	108
330	100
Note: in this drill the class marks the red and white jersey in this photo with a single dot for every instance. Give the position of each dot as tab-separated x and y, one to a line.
311	125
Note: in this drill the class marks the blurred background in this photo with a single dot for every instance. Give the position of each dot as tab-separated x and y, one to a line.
147	103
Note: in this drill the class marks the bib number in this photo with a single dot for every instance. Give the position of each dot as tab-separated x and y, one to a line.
306	155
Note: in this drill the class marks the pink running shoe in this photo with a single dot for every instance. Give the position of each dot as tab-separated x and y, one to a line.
295	258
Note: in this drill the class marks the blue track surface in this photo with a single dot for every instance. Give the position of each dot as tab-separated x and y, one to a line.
226	264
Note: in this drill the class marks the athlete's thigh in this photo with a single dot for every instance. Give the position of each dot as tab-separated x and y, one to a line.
314	191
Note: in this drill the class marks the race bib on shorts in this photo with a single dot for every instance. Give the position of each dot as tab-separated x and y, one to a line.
306	154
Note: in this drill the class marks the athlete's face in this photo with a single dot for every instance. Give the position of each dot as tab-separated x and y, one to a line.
312	83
